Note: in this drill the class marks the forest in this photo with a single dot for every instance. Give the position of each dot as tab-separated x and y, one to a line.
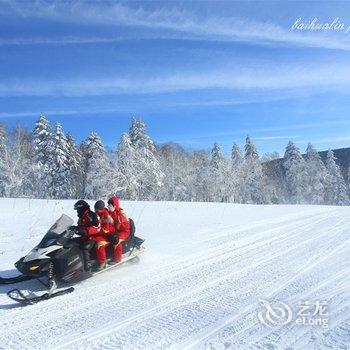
47	163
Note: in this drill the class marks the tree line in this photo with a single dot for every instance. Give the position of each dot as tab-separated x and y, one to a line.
48	163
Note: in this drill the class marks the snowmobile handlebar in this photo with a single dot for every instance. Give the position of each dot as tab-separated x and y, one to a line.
74	230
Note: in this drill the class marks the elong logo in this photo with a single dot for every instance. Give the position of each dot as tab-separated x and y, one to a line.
280	314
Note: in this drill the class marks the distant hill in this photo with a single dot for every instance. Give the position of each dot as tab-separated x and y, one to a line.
343	157
274	168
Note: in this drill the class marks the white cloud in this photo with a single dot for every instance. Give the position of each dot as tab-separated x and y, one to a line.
272	138
59	40
264	78
185	24
280	128
60	112
330	139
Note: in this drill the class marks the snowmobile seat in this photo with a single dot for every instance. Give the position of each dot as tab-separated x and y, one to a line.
132	229
138	241
134	240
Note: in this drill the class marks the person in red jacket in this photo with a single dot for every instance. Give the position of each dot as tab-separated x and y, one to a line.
121	228
106	228
106	221
89	226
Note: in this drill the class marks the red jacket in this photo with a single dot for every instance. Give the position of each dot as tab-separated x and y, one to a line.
121	221
106	221
89	223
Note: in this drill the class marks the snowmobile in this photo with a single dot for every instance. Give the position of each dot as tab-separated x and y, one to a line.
58	258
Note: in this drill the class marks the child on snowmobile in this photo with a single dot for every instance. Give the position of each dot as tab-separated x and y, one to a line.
121	228
89	226
106	228
106	221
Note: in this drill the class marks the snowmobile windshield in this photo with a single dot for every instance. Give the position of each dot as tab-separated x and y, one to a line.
56	231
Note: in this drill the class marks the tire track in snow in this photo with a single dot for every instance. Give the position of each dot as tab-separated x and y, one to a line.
194	291
288	336
305	223
97	301
227	322
204	257
113	341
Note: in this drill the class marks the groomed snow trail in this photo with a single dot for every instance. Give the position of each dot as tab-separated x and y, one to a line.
198	284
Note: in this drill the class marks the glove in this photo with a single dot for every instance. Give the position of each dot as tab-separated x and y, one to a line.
74	229
78	232
83	234
114	238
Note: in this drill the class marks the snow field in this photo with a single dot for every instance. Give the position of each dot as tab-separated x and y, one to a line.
198	283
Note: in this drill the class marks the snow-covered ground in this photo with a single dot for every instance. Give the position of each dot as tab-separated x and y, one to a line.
198	283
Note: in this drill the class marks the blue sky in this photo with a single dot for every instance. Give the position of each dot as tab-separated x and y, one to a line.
195	71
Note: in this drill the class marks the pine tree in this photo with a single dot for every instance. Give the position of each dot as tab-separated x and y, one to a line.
337	192
317	177
4	171
236	157
76	167
254	186
216	157
250	149
20	164
219	177
42	140
201	186
296	174
237	164
3	139
127	170
59	165
98	180
150	176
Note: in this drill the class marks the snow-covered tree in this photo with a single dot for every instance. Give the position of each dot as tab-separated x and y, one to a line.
250	149
42	140
76	167
237	164
98	176
128	173
60	166
295	174
317	179
254	188
266	157
337	191
200	189
216	157
20	164
3	140
150	175
220	181
177	165
4	176
236	156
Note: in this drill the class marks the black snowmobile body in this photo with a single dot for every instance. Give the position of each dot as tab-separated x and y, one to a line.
58	258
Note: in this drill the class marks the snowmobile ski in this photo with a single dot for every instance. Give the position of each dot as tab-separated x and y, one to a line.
13	280
18	296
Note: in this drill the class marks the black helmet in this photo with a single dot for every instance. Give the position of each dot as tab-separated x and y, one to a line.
99	205
81	204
